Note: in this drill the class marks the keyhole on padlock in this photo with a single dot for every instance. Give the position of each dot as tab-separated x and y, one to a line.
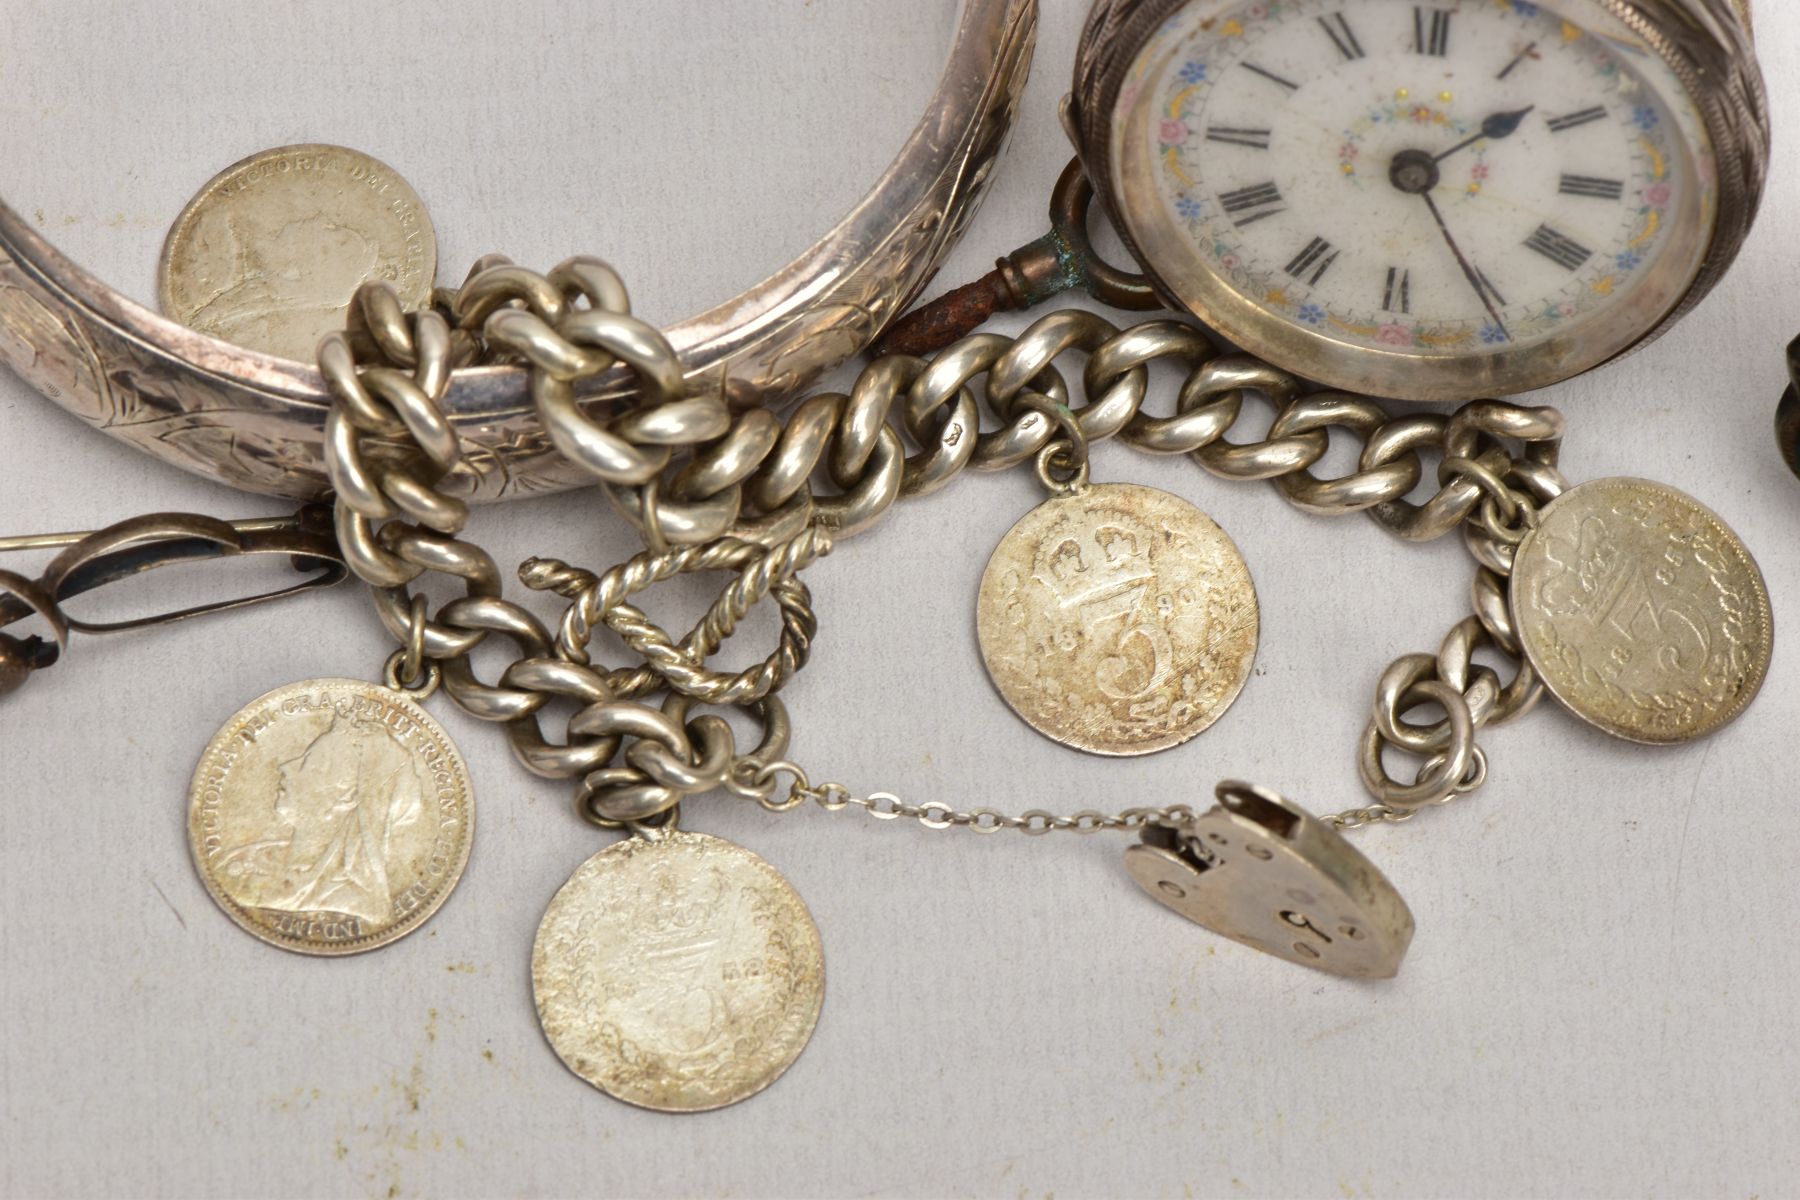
1300	920
1195	853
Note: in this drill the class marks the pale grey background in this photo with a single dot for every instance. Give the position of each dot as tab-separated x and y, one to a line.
1600	999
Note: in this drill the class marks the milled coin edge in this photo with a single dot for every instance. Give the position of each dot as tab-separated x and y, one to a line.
376	941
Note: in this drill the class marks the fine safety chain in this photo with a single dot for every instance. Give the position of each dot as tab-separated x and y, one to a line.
885	806
714	490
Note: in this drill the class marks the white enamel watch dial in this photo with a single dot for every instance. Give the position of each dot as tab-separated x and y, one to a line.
1421	200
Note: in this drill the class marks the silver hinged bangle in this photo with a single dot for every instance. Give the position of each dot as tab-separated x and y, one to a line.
257	422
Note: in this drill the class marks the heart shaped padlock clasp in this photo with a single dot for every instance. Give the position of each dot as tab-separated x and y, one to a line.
1265	872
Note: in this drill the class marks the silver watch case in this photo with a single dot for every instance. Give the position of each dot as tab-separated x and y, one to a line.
1707	44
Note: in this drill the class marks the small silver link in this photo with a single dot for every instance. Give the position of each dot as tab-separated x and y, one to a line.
886	806
1375	814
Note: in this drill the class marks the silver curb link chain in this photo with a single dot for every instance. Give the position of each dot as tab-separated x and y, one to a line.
713	489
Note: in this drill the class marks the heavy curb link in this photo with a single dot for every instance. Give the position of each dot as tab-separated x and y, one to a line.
672	756
712	490
389	446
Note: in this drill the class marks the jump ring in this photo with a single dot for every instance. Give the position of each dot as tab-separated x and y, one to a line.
656	828
1069	452
419	686
1054	457
766	773
832	796
414	649
1499	525
1490	482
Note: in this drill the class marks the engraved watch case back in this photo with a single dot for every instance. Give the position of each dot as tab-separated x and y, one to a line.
1426	201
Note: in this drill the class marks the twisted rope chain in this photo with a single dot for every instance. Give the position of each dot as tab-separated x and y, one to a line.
713	490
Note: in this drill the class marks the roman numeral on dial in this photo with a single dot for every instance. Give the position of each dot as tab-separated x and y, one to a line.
1271	76
1251	204
1559	248
1341	35
1312	263
1431	31
1575	120
1396	297
1588	185
1256	139
1489	293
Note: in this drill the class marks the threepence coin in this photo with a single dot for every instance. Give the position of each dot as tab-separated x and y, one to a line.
678	972
1118	619
270	252
330	817
1642	611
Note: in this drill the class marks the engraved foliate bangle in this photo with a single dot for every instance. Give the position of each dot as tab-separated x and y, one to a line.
256	422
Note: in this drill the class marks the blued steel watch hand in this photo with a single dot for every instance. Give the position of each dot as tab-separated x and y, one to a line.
1415	172
1496	126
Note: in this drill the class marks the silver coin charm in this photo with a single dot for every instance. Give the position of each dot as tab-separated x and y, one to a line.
678	972
1642	611
1261	870
1117	619
331	816
269	253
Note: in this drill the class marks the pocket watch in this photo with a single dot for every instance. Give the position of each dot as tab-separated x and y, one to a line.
1426	201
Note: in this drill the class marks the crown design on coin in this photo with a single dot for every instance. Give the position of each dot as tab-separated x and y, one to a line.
1586	568
680	910
1113	562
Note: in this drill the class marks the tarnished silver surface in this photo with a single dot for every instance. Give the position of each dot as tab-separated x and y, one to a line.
1117	619
129	549
1261	870
1642	611
256	422
753	480
1705	43
330	816
678	972
268	253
